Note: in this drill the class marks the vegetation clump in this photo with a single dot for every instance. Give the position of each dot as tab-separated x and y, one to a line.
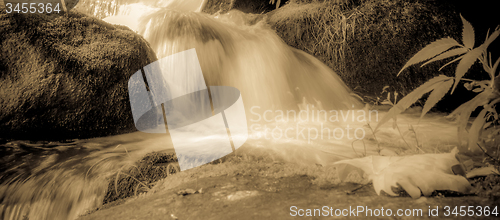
139	178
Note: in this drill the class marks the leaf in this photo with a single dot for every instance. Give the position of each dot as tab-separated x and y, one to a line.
416	174
462	113
436	95
475	130
411	98
483	171
487	124
447	54
492	37
454	60
468	86
464	64
343	171
467	34
431	50
478	90
495	66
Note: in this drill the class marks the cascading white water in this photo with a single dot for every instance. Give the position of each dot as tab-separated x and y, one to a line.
280	86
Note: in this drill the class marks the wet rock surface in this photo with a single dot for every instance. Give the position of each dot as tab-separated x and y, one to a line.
66	77
268	190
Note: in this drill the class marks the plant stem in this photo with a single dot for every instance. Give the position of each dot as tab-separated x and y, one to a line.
416	139
400	134
399	130
374	136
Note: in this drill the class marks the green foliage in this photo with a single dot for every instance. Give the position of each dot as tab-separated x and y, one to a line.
489	94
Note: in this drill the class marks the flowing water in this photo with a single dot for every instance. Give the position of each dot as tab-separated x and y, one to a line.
297	110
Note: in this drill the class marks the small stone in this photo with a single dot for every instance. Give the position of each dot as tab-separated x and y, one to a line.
421	200
185	192
241	195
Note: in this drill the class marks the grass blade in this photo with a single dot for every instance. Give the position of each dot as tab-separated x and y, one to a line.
436	95
116	180
431	50
467	34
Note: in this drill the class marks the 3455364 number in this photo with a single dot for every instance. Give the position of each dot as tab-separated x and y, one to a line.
32	8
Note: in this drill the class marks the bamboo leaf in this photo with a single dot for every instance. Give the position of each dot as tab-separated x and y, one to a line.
465	64
411	98
467	34
436	95
475	130
430	51
447	54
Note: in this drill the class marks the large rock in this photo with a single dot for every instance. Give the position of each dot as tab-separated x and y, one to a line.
247	6
66	77
102	9
367	42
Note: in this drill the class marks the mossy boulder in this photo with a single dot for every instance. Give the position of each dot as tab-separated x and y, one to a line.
247	6
367	42
66	77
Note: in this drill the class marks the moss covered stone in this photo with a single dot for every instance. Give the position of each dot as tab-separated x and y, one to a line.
66	77
247	6
368	41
